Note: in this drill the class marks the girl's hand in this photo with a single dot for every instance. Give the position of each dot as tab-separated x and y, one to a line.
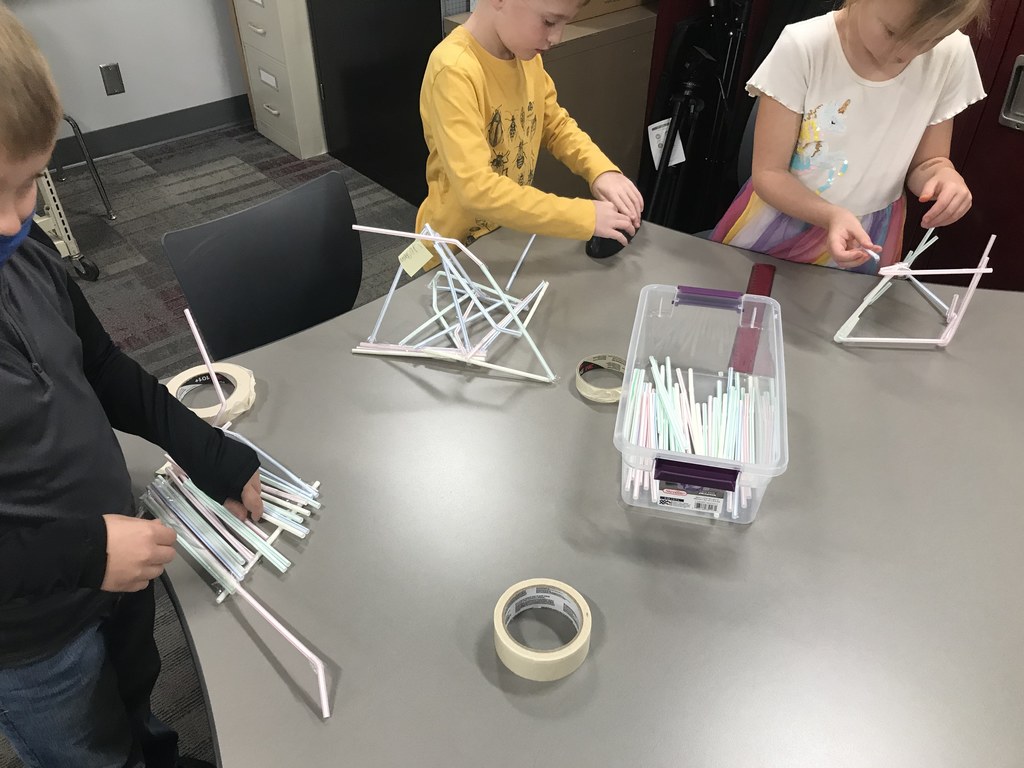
847	239
952	199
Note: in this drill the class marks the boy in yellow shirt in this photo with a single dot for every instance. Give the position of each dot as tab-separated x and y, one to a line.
488	106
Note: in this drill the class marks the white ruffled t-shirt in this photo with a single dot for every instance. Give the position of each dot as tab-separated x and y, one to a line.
858	136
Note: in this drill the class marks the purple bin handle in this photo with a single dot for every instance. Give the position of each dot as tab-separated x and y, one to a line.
707	297
689	473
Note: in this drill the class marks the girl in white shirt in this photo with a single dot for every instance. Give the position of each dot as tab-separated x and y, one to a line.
854	105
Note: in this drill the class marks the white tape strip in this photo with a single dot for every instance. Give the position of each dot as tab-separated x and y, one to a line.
600	394
238	402
550	595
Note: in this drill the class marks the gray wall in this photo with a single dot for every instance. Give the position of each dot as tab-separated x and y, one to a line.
174	54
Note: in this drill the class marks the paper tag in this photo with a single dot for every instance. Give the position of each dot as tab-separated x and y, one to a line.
656	133
414	257
692	498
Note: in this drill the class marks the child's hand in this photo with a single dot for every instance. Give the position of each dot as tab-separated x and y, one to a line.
952	197
615	188
137	551
611	224
251	503
847	239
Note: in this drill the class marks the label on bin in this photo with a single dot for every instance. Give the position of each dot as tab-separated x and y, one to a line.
691	498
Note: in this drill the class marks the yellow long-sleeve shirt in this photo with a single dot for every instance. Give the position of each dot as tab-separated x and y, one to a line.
485	120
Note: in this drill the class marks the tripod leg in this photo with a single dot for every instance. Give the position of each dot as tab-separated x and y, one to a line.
676	217
663	166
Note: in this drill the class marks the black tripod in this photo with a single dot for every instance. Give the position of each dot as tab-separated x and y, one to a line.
687	197
733	31
686	111
687	104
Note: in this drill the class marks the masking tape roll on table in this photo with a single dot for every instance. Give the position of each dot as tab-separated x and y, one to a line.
549	595
238	402
600	394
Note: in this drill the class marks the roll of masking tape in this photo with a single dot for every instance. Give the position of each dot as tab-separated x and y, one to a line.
237	403
600	394
550	595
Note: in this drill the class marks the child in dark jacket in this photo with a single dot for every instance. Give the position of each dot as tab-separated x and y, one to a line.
77	656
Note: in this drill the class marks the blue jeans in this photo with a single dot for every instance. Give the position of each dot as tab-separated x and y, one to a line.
87	706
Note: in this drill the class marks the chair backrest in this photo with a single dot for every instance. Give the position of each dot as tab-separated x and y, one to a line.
745	158
272	270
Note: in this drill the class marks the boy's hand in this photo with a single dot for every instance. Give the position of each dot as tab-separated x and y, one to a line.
847	239
137	551
952	197
611	224
615	188
251	503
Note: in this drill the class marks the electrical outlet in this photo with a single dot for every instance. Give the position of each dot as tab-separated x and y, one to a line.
112	82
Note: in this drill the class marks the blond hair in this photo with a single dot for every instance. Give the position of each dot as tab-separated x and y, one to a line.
29	106
938	18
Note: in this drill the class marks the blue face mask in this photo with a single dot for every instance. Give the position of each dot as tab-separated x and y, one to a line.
10	243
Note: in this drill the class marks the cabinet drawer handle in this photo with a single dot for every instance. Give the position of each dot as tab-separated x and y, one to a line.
257	30
271	110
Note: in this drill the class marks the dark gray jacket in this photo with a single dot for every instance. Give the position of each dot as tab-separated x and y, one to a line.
63	385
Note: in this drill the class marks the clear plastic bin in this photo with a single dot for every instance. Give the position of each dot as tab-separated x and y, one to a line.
718	464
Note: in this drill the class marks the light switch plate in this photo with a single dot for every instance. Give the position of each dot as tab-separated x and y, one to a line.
112	82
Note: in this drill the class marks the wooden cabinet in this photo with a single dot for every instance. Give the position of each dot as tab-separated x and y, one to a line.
613	50
284	92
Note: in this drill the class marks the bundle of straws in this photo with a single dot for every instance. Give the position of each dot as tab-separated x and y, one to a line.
288	502
227	548
736	422
223	545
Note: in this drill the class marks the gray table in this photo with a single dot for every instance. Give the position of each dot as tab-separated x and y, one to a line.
870	616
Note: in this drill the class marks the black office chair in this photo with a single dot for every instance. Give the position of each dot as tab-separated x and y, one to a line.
272	270
744	158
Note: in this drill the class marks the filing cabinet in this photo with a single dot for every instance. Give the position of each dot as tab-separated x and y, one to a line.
284	91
